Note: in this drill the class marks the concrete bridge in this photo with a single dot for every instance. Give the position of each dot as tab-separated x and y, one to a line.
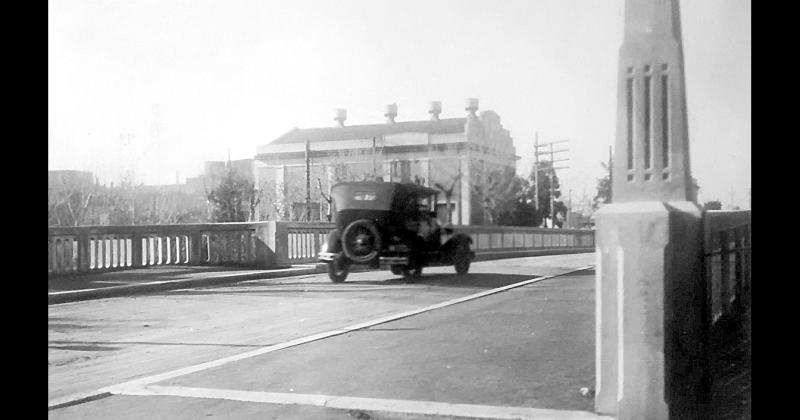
665	276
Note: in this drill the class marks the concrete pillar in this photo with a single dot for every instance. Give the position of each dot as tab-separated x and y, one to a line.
265	243
272	248
651	314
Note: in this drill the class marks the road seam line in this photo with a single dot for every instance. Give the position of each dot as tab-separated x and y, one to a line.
136	383
369	404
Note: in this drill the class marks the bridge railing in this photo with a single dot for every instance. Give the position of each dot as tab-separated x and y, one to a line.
488	239
262	244
727	261
110	248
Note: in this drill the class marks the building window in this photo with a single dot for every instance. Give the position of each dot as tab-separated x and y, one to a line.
647	101
665	120
629	119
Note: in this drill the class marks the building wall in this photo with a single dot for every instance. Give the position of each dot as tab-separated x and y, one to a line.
426	158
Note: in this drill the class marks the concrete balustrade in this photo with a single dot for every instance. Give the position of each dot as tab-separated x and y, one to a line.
263	244
726	248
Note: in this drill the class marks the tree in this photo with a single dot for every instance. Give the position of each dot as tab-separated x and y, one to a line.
713	205
234	199
69	207
547	177
603	188
504	199
448	193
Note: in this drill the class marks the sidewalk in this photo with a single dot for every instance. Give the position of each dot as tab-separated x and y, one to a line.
70	288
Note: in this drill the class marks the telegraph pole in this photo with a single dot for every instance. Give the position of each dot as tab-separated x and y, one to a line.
536	172
374	169
308	182
551	171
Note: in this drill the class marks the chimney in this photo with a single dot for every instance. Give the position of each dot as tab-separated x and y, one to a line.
471	106
391	113
341	115
435	109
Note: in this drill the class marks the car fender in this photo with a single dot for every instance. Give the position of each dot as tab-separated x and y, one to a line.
333	242
452	245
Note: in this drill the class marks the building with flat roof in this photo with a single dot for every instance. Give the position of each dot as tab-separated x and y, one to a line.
452	154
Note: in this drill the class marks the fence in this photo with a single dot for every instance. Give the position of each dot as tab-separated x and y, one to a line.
263	244
727	261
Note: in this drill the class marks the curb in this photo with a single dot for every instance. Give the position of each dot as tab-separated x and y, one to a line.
156	286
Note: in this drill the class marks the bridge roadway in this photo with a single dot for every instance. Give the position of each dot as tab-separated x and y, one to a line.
303	347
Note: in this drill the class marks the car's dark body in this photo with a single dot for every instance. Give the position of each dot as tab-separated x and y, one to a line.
390	224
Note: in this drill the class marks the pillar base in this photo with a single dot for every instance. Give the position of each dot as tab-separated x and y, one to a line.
650	310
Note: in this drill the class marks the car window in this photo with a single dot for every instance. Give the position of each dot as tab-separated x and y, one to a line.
364	196
423	204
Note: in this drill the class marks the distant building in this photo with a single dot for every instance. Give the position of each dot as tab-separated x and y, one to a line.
214	171
428	152
62	179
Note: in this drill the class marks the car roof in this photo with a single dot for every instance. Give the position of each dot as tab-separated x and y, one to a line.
407	188
386	196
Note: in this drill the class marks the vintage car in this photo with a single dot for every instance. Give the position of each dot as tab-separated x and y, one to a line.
382	224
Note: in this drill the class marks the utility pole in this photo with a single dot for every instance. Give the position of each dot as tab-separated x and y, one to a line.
374	169
308	182
551	171
536	172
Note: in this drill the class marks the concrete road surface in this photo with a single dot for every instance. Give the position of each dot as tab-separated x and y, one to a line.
229	351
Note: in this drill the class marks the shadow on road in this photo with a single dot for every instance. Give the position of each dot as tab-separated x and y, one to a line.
472	281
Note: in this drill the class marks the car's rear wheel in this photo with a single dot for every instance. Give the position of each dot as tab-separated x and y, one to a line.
396	269
361	241
338	269
462	260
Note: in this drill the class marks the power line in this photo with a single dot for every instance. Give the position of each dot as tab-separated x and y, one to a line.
551	171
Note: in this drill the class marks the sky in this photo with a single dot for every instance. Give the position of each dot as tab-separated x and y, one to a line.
150	89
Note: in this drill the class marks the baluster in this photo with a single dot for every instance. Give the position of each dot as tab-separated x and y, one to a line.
211	241
195	246
91	251
59	255
215	248
205	247
151	250
120	240
113	249
183	246
724	271
747	268
99	245
163	249
739	266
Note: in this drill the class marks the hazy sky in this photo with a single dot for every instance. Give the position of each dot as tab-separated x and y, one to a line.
159	86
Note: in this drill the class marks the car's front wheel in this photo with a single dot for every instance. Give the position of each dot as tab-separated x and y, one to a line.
413	272
338	269
462	260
